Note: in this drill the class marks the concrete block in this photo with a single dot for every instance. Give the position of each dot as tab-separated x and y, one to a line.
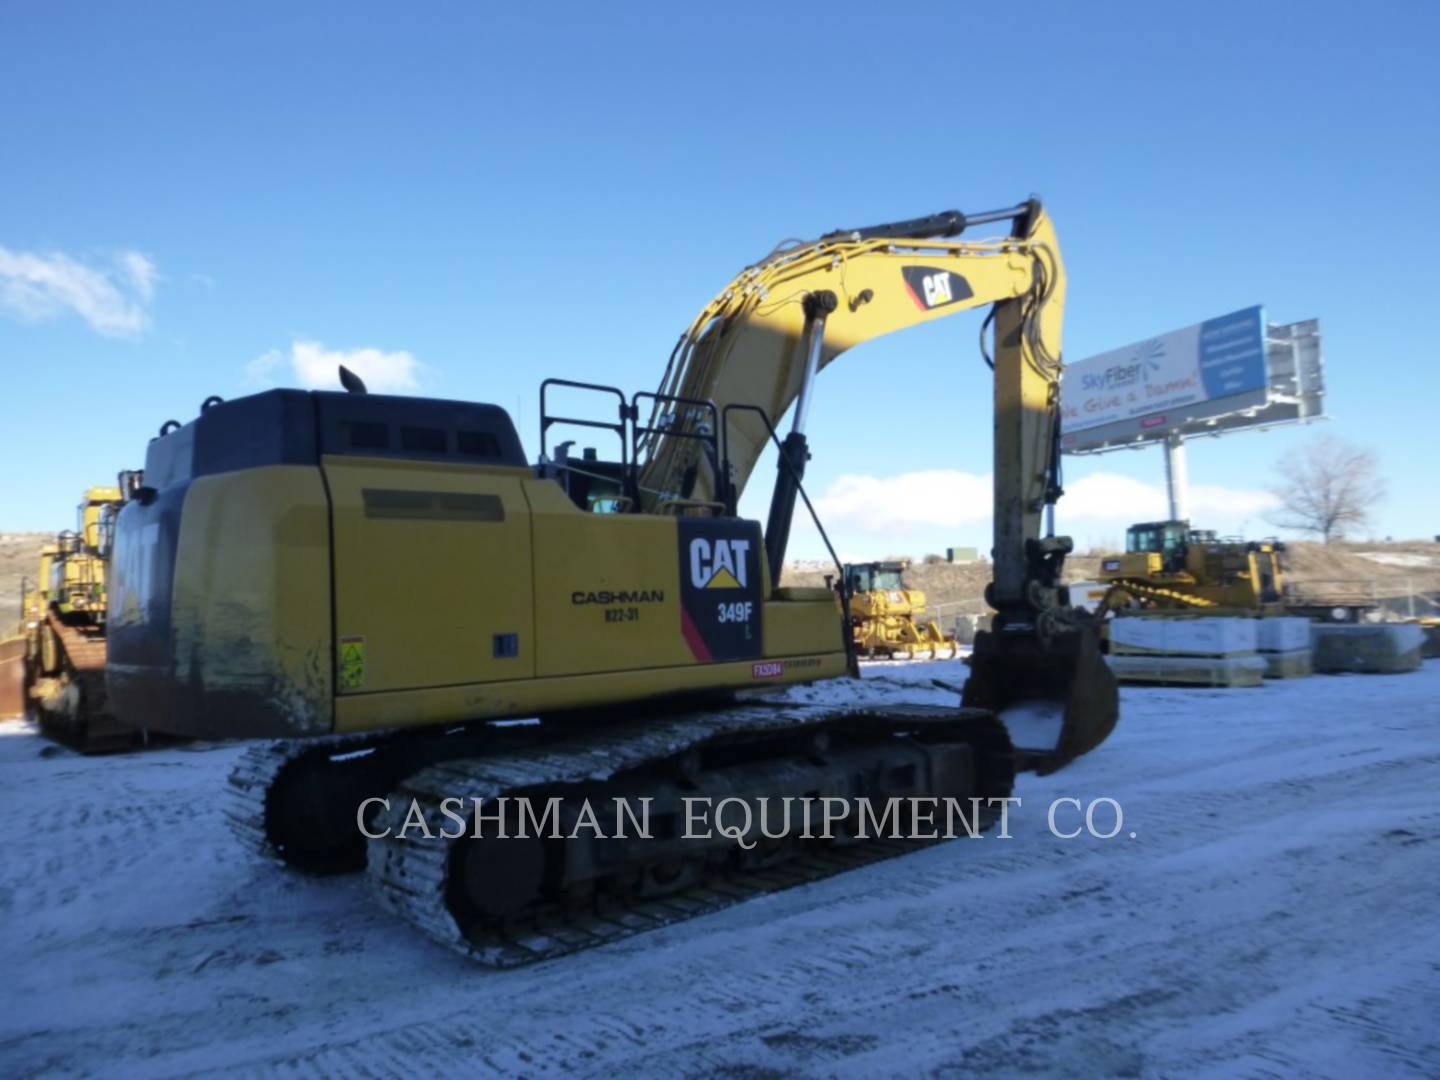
1291	664
1430	647
1205	636
1223	671
1283	633
1372	648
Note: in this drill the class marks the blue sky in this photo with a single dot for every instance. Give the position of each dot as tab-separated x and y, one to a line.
200	200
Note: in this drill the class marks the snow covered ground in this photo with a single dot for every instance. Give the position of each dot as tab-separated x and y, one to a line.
1275	914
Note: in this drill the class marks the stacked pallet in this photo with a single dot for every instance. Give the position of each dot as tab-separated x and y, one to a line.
1206	651
1284	644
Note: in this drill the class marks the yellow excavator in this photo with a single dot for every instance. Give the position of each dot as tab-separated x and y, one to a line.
430	632
1167	565
887	617
65	661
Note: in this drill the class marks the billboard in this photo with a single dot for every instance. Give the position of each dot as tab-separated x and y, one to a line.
1228	372
1162	380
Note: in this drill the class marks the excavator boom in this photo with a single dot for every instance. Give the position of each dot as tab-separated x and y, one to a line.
759	344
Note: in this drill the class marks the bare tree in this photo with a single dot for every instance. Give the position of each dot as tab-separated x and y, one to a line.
1326	487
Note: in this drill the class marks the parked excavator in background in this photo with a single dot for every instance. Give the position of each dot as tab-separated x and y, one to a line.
887	617
65	621
1167	565
369	580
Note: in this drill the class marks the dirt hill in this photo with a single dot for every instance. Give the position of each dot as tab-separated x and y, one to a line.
1390	569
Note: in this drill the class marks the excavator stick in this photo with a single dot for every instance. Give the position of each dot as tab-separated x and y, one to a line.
1056	696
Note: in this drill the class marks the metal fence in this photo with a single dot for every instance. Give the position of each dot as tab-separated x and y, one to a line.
960	617
1387	599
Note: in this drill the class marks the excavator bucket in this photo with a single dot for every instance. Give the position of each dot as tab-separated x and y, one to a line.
1057	698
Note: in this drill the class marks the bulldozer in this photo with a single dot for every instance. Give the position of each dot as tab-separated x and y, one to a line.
17	648
1167	565
428	636
65	623
887	617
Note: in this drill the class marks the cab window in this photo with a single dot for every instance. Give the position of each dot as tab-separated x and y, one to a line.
888	579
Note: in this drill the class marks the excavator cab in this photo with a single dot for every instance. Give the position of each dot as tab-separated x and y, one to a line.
613	486
596	486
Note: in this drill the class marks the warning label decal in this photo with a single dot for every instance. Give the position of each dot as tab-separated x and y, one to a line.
350	669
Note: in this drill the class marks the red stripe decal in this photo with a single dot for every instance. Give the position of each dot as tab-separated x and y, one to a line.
915	296
692	637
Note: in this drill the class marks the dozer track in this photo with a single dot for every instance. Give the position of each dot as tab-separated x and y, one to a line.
1157	594
72	704
426	880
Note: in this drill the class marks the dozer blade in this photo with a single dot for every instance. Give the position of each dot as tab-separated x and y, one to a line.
12	677
1058	699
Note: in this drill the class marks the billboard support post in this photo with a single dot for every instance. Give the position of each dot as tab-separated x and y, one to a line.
1176	480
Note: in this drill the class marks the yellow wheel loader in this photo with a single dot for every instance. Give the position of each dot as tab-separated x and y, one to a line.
1167	565
65	658
435	637
887	616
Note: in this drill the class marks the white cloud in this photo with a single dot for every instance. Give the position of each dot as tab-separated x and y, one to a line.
1110	497
1209	500
929	509
891	504
264	370
141	272
315	367
114	298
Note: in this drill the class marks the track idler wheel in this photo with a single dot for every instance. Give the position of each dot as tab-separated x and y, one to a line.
1056	696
